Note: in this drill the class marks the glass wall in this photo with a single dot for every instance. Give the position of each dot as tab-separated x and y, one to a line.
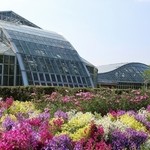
44	58
10	73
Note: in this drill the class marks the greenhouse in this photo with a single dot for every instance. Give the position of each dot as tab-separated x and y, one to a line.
126	75
30	55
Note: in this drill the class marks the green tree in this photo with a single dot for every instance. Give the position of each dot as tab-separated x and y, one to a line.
146	78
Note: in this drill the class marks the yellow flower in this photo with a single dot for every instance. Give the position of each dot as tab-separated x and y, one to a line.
80	133
132	122
22	107
78	126
78	121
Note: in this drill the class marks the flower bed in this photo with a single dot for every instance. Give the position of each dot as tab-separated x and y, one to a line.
101	102
22	127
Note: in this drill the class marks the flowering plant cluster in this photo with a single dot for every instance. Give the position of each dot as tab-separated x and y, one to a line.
22	127
102	101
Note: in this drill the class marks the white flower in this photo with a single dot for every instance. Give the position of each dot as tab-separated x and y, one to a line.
146	145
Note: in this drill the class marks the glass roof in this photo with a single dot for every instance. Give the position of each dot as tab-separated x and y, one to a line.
28	30
129	73
46	58
12	17
110	67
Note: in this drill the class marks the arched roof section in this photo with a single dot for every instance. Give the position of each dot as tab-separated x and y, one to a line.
110	67
127	73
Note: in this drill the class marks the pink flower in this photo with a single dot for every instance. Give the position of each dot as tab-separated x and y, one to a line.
66	99
113	113
35	122
58	122
33	94
148	108
9	102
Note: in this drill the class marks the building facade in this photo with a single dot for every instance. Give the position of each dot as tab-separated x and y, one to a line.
30	55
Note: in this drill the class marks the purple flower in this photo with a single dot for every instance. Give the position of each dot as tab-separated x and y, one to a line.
130	139
119	140
61	114
131	112
62	142
148	108
143	120
121	112
8	123
21	117
45	115
78	145
136	138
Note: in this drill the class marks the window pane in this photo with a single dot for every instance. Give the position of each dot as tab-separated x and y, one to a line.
83	79
11	69
58	78
5	82
1	59
41	76
0	80
79	80
6	59
47	77
74	79
11	80
53	78
49	84
64	78
29	76
6	69
35	76
0	69
69	79
43	83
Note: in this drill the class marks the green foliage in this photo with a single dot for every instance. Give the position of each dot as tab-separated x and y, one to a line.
101	100
24	93
147	75
146	78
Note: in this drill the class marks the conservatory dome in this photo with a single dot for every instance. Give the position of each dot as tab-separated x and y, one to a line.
125	74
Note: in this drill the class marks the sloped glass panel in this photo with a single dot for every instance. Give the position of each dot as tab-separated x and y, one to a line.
42	53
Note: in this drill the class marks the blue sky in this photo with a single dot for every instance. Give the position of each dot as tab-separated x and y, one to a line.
102	31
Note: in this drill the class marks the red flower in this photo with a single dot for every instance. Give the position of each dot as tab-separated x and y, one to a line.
96	132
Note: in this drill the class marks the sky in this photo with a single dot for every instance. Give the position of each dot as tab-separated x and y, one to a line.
102	31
